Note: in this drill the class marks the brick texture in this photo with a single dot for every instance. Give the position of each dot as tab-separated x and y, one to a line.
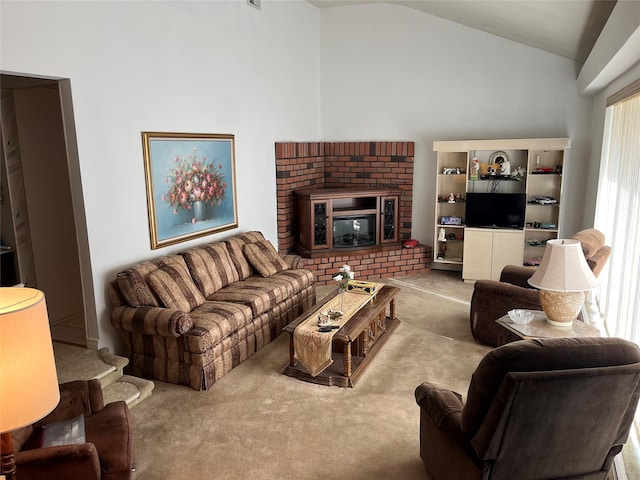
349	165
373	266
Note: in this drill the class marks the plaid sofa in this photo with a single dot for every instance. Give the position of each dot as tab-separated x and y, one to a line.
189	318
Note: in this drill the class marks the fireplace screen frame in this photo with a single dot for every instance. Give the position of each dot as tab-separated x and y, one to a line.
361	232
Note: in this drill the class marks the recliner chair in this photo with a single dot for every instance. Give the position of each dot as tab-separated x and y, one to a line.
548	408
492	299
107	453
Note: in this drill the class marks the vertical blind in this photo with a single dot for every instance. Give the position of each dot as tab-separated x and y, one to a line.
618	216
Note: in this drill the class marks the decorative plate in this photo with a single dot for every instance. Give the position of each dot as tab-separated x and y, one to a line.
496	155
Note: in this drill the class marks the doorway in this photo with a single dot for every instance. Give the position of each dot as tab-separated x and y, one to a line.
43	220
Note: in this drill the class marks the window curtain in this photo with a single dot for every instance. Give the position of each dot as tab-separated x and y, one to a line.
618	216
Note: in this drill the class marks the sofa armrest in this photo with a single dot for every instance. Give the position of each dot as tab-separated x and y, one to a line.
599	259
293	260
65	462
444	448
438	403
157	321
516	275
492	300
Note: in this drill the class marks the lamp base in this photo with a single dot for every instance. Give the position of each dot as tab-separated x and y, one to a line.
561	308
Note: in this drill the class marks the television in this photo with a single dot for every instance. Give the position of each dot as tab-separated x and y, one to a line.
495	210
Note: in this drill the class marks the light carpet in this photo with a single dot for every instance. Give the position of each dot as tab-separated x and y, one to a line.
257	423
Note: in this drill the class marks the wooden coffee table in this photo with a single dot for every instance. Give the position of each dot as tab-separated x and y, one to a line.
354	345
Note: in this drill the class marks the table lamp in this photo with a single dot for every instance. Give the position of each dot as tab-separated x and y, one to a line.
28	379
563	277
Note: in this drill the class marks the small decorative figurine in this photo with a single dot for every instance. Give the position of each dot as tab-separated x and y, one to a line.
475	168
442	250
505	166
518	173
324	319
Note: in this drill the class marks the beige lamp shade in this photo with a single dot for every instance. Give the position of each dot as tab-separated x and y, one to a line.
563	277
28	379
563	268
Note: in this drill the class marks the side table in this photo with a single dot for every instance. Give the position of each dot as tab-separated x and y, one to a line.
509	331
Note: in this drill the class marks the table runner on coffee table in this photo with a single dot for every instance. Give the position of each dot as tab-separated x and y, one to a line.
312	347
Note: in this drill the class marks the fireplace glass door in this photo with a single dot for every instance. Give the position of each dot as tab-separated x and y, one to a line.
354	231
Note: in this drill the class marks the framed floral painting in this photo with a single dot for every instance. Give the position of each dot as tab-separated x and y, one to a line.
191	189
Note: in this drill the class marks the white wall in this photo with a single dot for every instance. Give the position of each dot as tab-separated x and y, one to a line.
394	73
214	67
380	72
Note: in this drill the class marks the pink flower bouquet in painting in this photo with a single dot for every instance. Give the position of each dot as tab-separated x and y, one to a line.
193	180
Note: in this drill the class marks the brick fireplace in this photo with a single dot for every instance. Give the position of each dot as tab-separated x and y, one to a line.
350	165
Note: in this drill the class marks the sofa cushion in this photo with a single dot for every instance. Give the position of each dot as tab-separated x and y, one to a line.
210	267
254	292
264	258
292	280
135	289
175	287
234	246
213	322
133	281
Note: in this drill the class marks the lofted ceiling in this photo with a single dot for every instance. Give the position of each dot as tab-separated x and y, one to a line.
568	28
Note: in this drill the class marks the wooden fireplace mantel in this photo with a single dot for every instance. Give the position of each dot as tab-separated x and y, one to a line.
319	210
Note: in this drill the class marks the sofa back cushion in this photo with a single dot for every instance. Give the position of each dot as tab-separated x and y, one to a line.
235	245
591	240
133	282
595	251
264	258
211	267
175	288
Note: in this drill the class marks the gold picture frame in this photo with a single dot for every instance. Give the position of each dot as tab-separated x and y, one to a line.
191	187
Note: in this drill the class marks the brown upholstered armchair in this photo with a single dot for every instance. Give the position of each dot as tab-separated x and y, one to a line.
107	453
493	299
538	409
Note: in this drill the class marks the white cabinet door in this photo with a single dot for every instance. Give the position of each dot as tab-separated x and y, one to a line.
487	252
508	249
478	253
